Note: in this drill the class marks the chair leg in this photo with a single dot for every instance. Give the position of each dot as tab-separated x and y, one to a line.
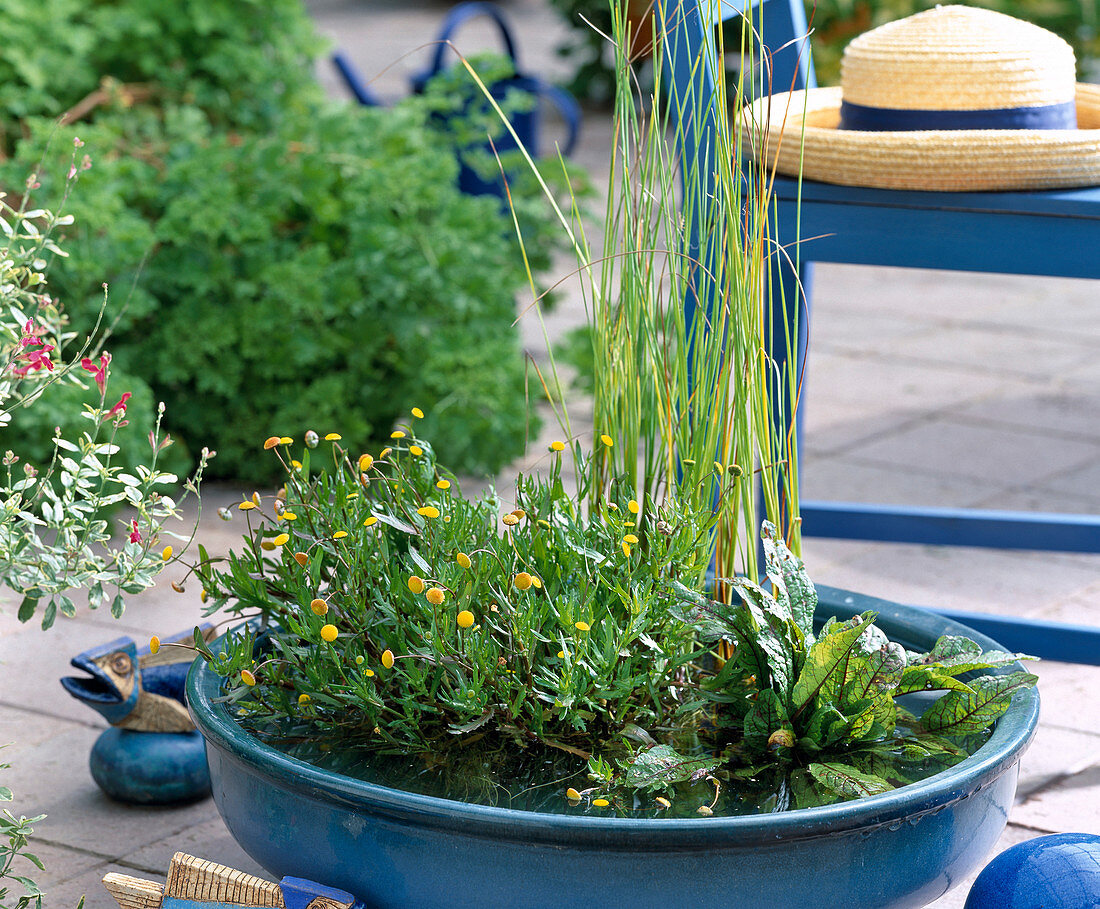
787	332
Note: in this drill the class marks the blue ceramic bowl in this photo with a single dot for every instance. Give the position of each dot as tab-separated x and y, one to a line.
398	850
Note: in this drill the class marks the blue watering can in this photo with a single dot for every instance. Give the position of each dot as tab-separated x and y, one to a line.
525	122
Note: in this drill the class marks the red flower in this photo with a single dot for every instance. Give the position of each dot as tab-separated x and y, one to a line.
120	408
99	373
135	535
35	353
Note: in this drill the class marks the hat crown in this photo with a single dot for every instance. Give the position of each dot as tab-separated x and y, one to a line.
958	58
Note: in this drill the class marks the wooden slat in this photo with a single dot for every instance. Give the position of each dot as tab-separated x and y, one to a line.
199	879
132	892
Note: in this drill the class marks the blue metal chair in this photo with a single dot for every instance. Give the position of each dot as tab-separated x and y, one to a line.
1052	233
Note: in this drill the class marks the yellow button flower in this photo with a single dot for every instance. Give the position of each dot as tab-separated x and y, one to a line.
271	443
340	534
582	626
301	558
416	451
366	462
633	507
328	633
319	606
428	511
303	699
572	794
285	440
630	538
418	413
282	539
463	560
523	580
387	659
166	553
607	440
246	506
416	584
371	521
465	619
154	644
333	437
397	434
600	803
248	678
510	520
557	446
443	484
435	595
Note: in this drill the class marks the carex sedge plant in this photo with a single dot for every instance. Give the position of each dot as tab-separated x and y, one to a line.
688	399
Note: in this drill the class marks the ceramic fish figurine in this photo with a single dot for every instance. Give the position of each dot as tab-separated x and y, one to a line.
136	689
152	754
199	884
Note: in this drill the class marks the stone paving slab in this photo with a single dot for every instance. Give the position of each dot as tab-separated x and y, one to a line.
952	446
1055	755
974	580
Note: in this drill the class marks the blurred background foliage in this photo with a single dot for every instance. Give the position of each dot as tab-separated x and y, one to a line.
277	262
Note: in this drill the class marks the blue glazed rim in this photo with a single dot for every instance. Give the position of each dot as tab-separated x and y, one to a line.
912	627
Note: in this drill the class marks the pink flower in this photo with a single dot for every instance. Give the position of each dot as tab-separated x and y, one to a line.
135	535
119	409
99	373
31	359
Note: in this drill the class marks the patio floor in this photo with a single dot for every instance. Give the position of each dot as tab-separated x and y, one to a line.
928	388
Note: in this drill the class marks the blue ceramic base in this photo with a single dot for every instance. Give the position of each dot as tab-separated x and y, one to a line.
150	768
1050	872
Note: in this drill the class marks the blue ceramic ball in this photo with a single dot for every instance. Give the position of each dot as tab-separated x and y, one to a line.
150	768
1050	872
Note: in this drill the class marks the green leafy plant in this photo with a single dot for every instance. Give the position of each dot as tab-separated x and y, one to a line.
15	835
54	537
335	275
817	715
404	617
243	63
318	258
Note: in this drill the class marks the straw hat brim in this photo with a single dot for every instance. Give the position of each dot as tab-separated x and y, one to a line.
798	130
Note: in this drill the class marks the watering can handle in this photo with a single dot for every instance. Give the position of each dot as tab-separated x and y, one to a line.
455	19
569	110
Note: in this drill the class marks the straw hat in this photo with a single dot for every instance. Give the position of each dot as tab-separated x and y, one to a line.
954	98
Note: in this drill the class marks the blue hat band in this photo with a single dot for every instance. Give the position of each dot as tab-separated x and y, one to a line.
884	119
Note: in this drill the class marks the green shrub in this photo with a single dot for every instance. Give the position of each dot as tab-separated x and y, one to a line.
329	274
243	62
277	264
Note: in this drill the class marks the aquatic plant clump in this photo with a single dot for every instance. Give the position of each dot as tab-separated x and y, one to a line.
533	654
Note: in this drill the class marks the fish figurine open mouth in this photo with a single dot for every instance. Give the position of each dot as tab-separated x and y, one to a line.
133	689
